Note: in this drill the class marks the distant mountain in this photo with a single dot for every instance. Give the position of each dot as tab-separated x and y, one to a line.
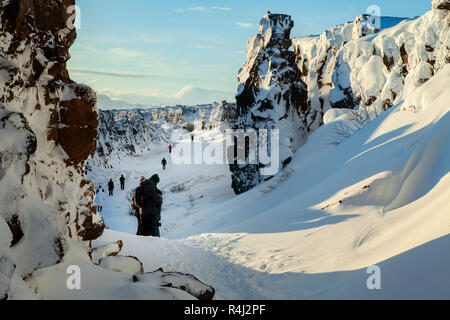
106	103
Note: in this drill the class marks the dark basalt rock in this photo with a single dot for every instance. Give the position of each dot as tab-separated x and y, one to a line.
278	102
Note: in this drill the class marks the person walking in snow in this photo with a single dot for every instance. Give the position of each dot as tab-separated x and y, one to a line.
99	199
170	149
146	202
111	187
122	182
164	163
155	226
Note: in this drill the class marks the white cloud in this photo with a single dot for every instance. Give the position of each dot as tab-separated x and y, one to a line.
110	73
221	8
244	24
195	95
124	53
198	9
188	95
202	46
205	9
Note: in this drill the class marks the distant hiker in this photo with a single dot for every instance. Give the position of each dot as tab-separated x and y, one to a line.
122	182
111	187
146	202
192	137
164	163
99	199
170	149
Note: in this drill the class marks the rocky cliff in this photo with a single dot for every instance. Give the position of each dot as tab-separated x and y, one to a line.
48	126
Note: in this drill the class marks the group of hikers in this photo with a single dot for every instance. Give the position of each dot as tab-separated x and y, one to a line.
146	202
164	161
100	194
111	185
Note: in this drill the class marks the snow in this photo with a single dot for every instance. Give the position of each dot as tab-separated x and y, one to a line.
380	198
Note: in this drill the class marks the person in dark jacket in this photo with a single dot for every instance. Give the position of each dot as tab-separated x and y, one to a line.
111	187
164	163
155	179
122	182
147	201
135	207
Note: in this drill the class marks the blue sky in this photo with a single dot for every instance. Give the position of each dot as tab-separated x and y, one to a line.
183	51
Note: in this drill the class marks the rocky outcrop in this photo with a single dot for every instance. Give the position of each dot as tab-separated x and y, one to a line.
271	95
179	281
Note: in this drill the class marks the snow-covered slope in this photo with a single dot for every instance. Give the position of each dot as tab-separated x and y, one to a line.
379	197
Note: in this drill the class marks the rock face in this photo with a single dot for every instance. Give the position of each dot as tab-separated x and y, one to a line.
271	95
48	126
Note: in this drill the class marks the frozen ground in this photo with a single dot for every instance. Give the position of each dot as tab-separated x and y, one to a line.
380	197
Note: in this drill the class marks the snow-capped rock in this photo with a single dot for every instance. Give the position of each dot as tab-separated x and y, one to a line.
271	94
441	4
346	68
48	126
177	280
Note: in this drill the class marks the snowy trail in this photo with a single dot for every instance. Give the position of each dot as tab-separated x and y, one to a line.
186	188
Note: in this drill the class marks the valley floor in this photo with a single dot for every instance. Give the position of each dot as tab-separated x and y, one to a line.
380	197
